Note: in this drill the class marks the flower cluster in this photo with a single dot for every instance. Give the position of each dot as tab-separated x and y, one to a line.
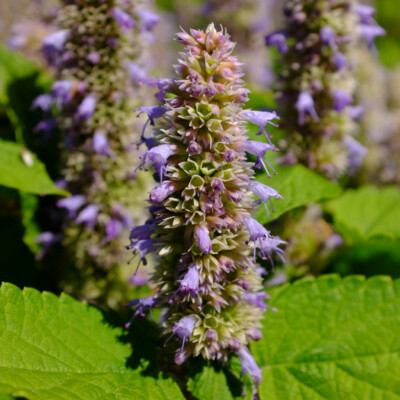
248	21
207	279
97	56
378	92
317	84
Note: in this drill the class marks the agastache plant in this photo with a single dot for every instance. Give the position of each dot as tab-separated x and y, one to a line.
97	54
317	83
201	226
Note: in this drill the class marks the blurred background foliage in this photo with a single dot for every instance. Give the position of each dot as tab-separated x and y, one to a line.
366	219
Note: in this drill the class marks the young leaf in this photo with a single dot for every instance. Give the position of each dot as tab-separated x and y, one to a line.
298	186
368	212
20	169
57	348
332	339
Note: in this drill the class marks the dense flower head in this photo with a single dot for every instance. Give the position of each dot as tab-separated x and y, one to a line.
97	53
201	228
247	21
316	86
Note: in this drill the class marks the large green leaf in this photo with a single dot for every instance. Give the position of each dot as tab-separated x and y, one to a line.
368	212
332	339
298	186
29	175
57	348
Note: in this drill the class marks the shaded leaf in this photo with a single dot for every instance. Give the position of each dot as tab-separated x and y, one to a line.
57	348
332	339
367	258
29	175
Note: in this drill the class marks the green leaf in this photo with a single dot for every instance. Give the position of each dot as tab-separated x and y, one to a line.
367	212
332	339
5	397
364	257
209	384
29	176
298	186
57	348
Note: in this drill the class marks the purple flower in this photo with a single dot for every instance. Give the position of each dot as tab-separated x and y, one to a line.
140	76
191	280
87	107
120	213
193	148
158	156
202	236
261	119
46	126
141	306
142	232
113	229
141	278
279	40
259	149
46	239
153	113
148	18
72	204
263	240
340	61
56	40
163	84
255	334
93	57
144	247
264	193
357	153
62	91
370	32
305	105
269	245
341	99
100	144
256	230
183	329
44	102
249	365
355	112
123	19
256	299
88	215
365	13
53	45
162	191
211	335
327	35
